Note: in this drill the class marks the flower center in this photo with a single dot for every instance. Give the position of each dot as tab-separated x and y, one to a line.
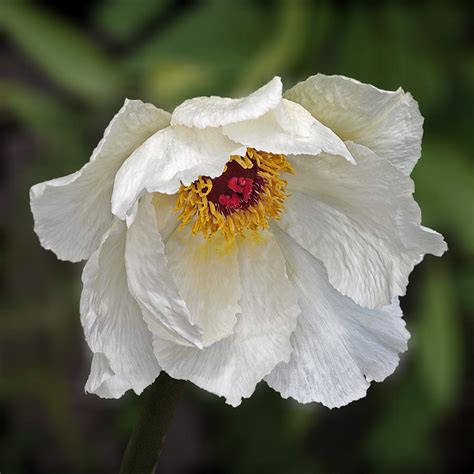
244	197
237	188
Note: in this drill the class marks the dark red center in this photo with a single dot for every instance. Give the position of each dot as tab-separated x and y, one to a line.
237	188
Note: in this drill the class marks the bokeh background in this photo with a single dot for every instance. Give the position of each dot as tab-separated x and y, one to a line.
65	70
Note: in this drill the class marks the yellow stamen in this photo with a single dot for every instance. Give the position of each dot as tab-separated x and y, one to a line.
195	207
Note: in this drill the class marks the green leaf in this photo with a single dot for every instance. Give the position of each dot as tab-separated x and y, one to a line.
204	51
392	52
438	337
125	18
400	437
445	191
63	52
281	50
48	119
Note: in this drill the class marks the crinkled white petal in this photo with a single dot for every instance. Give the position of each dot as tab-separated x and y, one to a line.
287	129
151	282
338	347
417	238
352	218
113	323
206	272
167	218
233	366
168	158
102	380
387	122
73	212
202	112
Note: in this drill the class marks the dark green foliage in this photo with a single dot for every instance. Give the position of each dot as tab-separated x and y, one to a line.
67	73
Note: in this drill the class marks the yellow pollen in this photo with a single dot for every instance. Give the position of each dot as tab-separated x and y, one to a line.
265	202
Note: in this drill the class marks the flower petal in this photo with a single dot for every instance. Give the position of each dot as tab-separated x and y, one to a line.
202	112
206	272
338	347
151	282
168	158
165	213
189	258
288	129
417	238
113	323
72	213
352	218
387	122
233	366
103	381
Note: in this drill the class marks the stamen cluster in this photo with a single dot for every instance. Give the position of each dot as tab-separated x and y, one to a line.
244	197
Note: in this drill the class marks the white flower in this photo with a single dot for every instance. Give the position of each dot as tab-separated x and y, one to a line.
246	239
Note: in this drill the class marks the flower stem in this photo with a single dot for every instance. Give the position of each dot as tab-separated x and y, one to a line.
145	444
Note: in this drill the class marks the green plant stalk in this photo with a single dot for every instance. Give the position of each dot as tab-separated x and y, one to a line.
159	402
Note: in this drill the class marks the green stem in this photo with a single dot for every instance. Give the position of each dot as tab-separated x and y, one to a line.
145	444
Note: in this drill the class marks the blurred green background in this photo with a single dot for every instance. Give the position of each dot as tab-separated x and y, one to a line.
65	70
